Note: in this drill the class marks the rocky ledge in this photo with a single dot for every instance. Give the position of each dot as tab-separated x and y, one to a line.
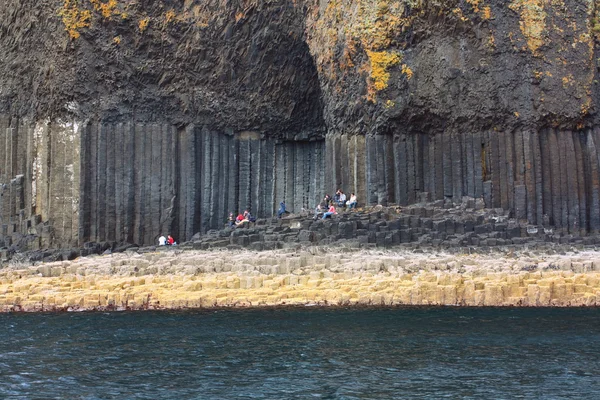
171	278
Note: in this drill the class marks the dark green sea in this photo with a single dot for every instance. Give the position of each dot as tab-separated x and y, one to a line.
303	353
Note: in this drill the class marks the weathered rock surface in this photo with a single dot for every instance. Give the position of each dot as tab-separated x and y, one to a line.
173	279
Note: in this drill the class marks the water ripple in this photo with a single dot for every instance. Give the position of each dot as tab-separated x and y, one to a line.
308	353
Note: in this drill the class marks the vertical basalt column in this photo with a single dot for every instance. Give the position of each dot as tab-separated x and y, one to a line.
92	165
232	171
5	148
572	183
130	161
139	184
536	159
119	182
224	167
447	164
330	159
426	165
555	168
269	178
520	190
582	182
188	181
255	183
29	160
156	188
469	181
371	170
345	161
167	198
379	172
564	180
593	162
110	190
103	131
410	169
547	177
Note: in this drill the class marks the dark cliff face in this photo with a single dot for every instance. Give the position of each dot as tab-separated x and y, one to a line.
229	65
288	67
182	111
456	65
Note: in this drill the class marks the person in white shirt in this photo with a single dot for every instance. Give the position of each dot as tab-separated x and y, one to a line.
352	202
162	241
342	202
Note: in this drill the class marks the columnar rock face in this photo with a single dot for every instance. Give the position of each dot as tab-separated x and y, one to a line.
181	113
40	182
144	180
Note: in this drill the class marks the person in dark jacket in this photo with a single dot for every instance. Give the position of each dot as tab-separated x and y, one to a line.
281	210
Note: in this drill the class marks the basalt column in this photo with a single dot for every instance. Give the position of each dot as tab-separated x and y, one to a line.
546	178
40	183
144	180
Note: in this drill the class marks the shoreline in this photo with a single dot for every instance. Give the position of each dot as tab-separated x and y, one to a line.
194	279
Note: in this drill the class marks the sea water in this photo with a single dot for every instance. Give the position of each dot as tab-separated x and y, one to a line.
303	353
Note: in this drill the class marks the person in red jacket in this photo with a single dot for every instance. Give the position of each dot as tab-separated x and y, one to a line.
170	240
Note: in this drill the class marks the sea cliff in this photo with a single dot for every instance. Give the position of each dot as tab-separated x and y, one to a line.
175	279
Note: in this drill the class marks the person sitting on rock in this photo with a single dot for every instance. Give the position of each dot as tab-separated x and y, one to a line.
329	213
336	196
318	211
240	219
162	240
325	203
249	216
231	220
342	201
352	202
171	241
281	210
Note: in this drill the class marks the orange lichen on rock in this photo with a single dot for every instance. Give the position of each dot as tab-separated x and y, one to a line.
107	9
380	62
407	71
143	24
532	21
74	18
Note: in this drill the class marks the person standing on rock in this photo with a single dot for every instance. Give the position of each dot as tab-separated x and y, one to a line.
162	240
281	210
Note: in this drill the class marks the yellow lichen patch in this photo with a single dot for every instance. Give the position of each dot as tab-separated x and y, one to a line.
475	4
170	16
389	104
117	40
459	14
380	62
407	71
74	18
567	81
486	13
586	107
532	21
107	9
143	24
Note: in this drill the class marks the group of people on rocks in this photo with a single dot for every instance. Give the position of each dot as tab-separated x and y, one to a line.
166	241
233	221
327	206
